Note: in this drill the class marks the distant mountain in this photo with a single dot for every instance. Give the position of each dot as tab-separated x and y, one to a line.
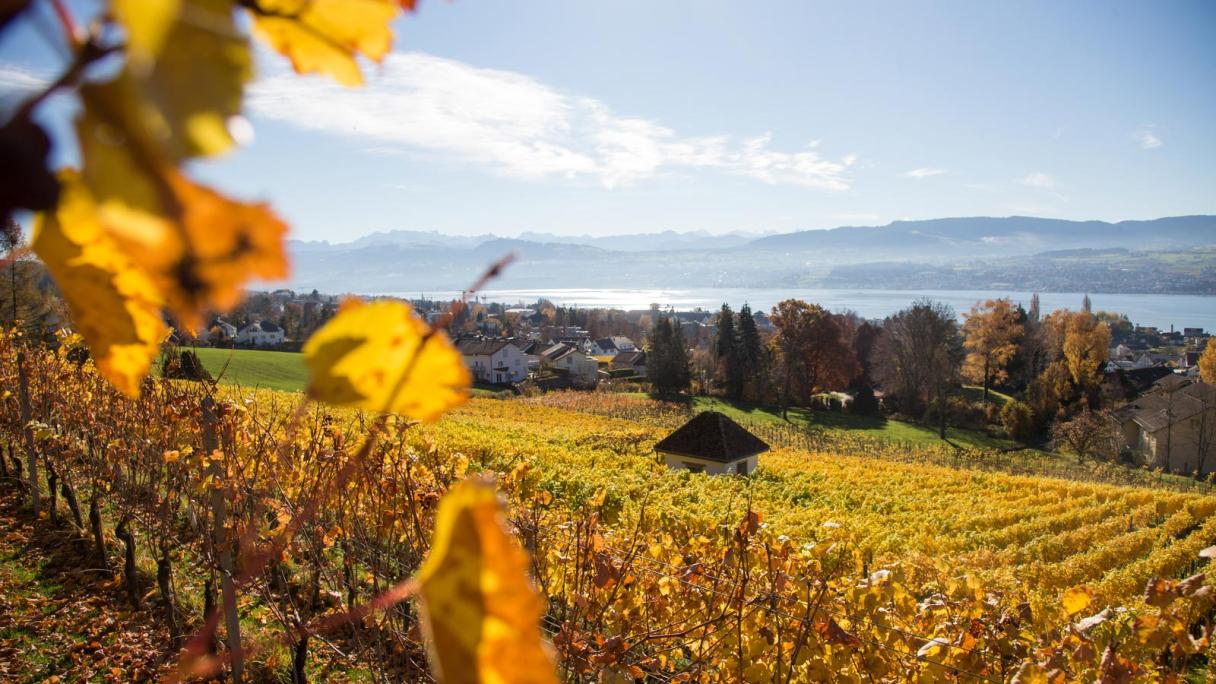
950	238
645	242
955	252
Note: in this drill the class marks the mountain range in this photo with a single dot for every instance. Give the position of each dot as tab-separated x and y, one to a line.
1160	255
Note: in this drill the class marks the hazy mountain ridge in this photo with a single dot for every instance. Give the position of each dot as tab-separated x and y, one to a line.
969	253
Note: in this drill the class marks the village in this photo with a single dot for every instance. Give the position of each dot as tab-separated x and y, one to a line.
1160	413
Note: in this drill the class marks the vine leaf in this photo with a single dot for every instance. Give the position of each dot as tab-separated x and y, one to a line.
326	36
193	63
381	357
199	246
479	607
25	182
219	244
115	306
1076	599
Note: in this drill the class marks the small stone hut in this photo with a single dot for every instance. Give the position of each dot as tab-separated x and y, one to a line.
714	444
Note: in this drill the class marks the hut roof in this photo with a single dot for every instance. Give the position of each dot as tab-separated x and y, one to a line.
713	437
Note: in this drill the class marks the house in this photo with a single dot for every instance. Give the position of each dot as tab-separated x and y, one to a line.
1130	384
531	350
582	370
227	331
631	360
494	361
611	346
1173	427
260	334
713	444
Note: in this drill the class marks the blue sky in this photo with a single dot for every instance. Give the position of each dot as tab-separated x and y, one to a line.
638	116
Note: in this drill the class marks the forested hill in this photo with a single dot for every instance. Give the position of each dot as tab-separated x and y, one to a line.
1166	255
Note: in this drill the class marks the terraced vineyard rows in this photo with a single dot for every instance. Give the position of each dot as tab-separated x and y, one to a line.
819	565
1042	535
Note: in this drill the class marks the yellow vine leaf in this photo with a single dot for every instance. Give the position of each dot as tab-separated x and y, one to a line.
361	357
192	62
326	36
1076	599
199	246
203	263
479	608
115	306
123	162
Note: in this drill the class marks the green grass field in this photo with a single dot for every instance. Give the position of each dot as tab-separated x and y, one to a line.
283	371
254	368
878	427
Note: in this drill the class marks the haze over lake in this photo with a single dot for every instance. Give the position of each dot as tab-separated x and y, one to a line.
1160	310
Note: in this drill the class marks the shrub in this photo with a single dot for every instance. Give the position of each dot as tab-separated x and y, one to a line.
184	366
1018	420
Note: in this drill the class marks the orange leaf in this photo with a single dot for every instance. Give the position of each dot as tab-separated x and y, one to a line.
381	357
478	604
115	306
326	36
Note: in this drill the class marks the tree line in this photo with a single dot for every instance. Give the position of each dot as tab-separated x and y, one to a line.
912	364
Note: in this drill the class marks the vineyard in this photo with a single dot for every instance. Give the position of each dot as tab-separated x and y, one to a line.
820	566
809	437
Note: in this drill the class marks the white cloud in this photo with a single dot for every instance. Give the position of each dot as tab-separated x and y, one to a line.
923	172
1147	137
1038	179
520	127
17	83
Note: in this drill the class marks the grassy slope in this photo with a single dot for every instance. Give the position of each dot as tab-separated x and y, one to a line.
253	368
881	428
267	369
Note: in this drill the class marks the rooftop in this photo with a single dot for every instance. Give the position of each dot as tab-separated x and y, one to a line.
714	437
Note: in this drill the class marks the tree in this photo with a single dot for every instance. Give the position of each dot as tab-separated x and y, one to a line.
667	359
813	355
865	339
1088	434
28	297
992	332
727	354
751	352
1086	350
1207	363
918	358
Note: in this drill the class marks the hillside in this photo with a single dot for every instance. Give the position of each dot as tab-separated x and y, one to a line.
962	253
898	563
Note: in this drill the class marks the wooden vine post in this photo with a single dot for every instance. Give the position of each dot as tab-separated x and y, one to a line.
220	540
30	454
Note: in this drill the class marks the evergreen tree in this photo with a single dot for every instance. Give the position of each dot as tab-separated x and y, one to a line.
27	295
751	351
727	354
667	359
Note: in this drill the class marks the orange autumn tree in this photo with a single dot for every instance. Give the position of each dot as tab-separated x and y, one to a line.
991	333
1207	363
130	236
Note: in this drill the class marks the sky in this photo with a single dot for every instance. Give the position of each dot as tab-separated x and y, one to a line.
576	117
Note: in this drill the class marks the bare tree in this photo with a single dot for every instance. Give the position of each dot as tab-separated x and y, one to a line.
1089	434
917	358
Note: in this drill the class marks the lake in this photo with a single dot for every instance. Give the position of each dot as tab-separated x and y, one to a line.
1160	310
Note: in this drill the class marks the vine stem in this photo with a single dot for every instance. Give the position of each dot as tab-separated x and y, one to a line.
70	27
